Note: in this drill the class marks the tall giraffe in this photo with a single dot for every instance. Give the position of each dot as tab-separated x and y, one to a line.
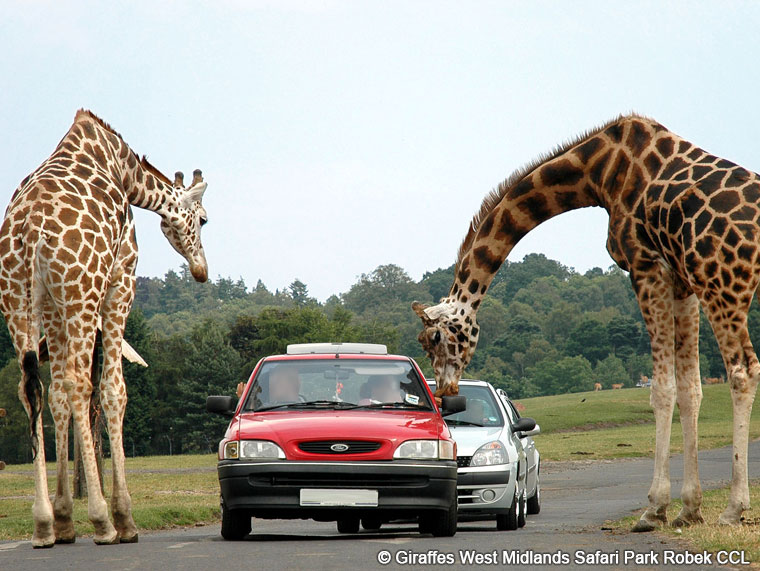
685	225
67	261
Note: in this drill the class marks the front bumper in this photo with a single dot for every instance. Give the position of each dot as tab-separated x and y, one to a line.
272	489
486	489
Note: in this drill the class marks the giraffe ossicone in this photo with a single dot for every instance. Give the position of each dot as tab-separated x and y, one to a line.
685	224
67	265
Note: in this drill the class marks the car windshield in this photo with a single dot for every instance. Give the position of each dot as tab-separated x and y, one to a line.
482	409
337	383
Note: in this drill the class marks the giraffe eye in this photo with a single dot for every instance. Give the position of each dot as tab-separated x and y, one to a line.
436	338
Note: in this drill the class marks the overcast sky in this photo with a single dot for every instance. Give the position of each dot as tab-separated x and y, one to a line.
339	136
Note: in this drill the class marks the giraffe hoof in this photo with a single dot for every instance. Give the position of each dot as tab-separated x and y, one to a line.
37	544
684	520
130	539
723	520
64	540
107	539
643	526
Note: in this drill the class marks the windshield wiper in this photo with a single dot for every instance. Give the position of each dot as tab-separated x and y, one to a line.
324	403
397	405
462	423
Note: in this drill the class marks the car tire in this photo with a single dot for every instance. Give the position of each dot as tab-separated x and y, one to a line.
508	521
348	525
521	512
534	502
440	524
236	524
371	523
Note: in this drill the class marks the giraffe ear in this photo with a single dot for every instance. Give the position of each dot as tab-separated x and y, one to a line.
419	309
193	194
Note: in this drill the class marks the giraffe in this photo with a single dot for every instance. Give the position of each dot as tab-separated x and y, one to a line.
67	264
685	225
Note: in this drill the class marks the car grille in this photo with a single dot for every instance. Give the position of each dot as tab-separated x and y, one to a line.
463	461
327	480
354	446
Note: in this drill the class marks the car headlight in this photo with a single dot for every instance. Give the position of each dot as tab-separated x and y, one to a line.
252	450
425	450
489	454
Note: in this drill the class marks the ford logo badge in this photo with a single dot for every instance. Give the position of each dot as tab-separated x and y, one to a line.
339	447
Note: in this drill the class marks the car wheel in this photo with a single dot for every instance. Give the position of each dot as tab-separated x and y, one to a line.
534	502
521	512
371	523
508	521
348	525
440	524
236	524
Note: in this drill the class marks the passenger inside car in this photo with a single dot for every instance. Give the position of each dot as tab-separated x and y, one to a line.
380	388
284	385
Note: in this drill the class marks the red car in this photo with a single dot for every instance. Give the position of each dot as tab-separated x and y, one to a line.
337	432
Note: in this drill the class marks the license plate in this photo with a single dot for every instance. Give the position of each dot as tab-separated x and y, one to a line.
355	498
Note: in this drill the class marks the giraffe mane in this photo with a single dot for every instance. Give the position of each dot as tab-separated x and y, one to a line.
153	170
90	115
86	113
494	197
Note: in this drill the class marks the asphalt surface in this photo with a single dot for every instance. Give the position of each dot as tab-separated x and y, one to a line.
569	533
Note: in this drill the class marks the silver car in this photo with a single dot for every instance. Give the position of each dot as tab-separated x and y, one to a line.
497	475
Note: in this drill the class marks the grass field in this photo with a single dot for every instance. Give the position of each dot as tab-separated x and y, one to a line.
620	424
169	491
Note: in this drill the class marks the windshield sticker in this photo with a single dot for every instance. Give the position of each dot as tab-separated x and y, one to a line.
412	399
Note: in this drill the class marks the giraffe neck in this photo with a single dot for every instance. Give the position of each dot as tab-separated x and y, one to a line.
143	184
598	170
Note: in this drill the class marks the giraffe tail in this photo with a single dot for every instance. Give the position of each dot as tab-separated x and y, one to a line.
33	391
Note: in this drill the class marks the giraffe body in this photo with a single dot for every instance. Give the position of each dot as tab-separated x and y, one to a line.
685	224
67	265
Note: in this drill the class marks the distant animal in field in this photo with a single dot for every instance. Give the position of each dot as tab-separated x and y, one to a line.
714	380
597	386
617	385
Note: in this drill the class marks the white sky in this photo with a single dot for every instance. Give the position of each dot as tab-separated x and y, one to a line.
338	136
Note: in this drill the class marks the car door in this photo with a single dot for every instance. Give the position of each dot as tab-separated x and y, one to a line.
528	445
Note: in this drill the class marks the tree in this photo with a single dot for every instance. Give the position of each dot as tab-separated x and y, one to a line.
589	339
141	387
300	293
567	375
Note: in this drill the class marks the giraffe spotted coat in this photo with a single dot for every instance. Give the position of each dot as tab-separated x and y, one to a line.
67	260
686	225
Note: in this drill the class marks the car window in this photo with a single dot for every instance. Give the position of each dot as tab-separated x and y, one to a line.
482	408
360	382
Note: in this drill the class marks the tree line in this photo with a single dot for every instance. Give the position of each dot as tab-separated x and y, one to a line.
545	329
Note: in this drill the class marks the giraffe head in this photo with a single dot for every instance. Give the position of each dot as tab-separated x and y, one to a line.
182	226
449	336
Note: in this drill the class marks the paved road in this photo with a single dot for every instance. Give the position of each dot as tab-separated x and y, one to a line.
578	498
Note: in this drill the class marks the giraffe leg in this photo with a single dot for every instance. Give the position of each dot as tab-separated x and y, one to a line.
113	392
63	504
30	392
656	302
743	372
689	398
79	389
42	509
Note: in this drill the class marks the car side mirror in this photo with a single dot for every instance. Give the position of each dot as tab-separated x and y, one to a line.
525	424
536	430
453	404
223	405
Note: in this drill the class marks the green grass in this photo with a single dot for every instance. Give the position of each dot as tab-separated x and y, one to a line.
167	491
709	536
620	424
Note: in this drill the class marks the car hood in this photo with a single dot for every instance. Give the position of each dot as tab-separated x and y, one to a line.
470	438
388	427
